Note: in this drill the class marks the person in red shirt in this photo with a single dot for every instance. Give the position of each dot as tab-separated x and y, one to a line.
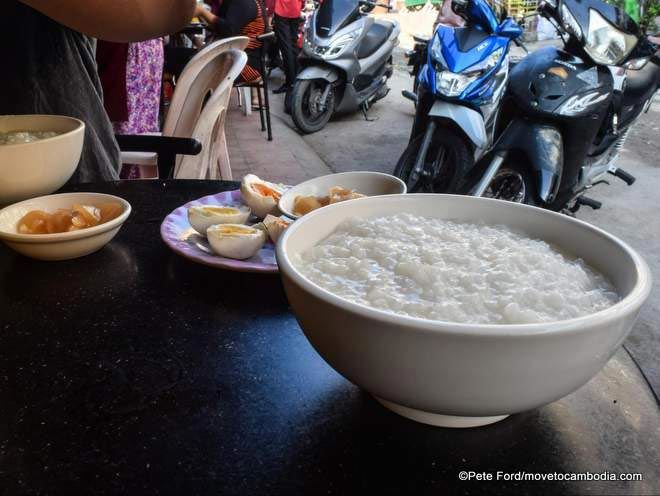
287	22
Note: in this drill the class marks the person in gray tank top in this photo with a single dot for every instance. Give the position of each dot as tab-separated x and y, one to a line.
47	49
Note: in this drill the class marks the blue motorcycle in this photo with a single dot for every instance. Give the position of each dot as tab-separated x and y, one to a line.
460	86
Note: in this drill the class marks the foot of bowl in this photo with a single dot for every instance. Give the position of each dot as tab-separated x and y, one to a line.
438	419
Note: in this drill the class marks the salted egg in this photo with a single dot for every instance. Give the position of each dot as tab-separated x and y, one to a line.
261	196
235	240
202	217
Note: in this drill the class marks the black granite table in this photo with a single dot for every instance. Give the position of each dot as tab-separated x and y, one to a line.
134	371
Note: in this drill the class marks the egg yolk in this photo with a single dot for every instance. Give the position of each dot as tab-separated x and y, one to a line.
227	229
264	190
220	210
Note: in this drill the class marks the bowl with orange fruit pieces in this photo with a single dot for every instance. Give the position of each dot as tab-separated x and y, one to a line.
62	226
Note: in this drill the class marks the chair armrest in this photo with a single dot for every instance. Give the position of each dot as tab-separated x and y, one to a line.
266	36
159	144
167	148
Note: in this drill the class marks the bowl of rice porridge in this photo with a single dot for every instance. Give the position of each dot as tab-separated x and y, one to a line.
459	311
38	154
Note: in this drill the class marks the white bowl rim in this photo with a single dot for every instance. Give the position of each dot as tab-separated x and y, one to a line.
69	235
630	302
348	173
81	125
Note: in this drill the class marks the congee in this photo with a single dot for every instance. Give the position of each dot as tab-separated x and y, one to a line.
455	272
18	137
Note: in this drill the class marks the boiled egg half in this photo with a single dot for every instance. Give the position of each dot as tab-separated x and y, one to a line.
201	217
235	240
276	226
261	196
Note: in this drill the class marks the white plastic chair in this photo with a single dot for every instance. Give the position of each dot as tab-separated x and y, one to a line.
210	132
198	109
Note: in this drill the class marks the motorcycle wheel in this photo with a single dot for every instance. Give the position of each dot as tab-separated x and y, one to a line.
305	111
512	183
446	164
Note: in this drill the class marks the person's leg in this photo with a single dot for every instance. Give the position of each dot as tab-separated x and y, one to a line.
292	67
294	26
280	36
283	32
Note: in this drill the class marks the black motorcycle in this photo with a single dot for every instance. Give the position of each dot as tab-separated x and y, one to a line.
566	113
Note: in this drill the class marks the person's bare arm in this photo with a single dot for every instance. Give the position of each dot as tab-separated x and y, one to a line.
118	20
206	15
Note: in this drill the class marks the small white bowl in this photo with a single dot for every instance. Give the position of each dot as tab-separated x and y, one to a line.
364	182
60	246
43	166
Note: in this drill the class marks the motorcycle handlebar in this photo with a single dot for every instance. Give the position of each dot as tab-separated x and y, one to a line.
545	9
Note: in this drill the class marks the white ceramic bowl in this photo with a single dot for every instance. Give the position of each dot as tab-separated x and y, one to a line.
463	375
366	183
60	246
43	166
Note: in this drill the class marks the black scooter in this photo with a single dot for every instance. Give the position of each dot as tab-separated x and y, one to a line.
566	113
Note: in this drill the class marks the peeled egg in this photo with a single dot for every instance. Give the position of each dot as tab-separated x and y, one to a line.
276	226
202	217
261	196
235	240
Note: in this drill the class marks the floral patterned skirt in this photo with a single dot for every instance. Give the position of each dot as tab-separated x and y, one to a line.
144	74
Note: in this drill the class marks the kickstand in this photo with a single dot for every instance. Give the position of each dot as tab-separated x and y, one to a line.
364	112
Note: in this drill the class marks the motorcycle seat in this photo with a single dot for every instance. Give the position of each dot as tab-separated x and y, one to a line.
374	38
641	84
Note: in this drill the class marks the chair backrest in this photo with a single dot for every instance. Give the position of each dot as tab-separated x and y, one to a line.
209	130
200	77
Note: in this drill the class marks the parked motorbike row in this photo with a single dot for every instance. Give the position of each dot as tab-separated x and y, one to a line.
541	131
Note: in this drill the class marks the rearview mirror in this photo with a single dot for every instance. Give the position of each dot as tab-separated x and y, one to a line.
509	29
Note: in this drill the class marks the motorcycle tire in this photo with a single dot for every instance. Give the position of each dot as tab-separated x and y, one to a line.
301	112
514	182
458	157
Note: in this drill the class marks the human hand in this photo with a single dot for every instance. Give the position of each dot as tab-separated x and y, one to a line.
200	9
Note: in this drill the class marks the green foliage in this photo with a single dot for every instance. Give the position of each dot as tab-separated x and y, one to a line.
651	11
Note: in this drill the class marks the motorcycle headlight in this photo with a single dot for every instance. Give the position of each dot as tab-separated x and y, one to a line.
570	22
605	43
453	84
337	46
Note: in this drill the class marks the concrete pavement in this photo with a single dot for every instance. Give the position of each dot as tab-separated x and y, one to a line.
287	159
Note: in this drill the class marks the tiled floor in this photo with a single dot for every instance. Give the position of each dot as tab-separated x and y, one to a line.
286	159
